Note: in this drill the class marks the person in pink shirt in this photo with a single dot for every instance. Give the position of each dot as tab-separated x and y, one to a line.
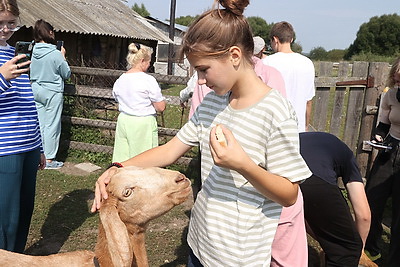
289	247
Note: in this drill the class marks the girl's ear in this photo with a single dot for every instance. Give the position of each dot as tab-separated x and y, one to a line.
235	55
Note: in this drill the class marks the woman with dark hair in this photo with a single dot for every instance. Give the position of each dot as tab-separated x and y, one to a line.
49	69
20	142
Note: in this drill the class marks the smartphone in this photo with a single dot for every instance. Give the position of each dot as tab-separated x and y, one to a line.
26	48
60	44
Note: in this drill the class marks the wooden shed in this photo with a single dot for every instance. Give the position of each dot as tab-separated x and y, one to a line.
96	33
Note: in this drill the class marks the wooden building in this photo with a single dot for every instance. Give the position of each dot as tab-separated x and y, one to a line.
96	33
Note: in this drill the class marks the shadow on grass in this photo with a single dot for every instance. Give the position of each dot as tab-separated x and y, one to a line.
182	252
63	218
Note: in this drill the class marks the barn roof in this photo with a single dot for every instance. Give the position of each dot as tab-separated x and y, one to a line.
99	17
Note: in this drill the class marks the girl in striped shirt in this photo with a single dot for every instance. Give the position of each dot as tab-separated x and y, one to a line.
20	141
246	182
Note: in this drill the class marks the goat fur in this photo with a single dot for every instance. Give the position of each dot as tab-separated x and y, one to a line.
136	196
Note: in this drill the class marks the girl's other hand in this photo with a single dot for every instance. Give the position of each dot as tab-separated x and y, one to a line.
11	69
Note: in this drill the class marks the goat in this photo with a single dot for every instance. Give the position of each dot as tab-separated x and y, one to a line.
136	196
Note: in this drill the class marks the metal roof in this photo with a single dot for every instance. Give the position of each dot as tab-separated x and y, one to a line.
99	17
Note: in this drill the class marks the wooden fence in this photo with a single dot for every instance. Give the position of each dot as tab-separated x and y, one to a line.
345	103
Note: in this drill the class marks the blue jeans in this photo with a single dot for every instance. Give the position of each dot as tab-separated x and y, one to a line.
193	260
17	195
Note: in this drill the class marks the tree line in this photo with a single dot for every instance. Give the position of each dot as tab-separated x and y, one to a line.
376	40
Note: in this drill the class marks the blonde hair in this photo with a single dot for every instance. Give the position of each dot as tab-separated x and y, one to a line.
393	70
214	32
137	52
10	6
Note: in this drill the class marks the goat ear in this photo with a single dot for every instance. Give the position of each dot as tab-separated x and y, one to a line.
117	235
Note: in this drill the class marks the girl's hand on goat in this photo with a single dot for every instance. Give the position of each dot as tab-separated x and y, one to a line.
100	191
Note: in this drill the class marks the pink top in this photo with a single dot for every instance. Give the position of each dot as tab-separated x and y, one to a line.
269	75
199	92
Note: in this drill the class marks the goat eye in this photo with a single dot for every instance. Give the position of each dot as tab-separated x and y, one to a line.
127	192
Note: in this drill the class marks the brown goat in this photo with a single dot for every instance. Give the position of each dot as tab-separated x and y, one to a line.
136	196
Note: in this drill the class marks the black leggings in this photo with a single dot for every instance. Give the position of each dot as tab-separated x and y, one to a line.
384	182
329	217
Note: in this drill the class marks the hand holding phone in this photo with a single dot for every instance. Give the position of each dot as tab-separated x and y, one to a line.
25	48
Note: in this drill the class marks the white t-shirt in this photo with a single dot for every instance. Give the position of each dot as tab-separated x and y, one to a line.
298	73
135	93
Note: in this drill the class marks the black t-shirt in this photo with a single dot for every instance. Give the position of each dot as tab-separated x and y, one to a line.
328	157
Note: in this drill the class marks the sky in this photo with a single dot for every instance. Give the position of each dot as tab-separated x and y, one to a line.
316	23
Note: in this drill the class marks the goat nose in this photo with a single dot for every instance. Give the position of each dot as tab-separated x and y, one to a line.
181	177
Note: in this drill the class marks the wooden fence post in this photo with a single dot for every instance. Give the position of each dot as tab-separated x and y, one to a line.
378	70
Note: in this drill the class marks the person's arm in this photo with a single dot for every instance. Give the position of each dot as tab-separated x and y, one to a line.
308	113
361	209
160	156
186	93
159	106
232	156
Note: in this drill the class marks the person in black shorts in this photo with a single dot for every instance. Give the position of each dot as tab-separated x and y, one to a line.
326	211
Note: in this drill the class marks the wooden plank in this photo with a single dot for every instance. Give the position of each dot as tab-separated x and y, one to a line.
110	125
325	69
161	78
380	72
353	118
320	104
360	69
103	93
337	111
343	69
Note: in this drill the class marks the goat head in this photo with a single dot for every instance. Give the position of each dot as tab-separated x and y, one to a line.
136	196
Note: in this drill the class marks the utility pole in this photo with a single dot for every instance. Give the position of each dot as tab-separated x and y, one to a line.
171	36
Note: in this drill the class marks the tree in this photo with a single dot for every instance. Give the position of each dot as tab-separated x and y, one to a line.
336	54
260	27
296	47
185	20
379	36
142	11
318	53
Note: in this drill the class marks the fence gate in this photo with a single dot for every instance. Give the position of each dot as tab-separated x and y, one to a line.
346	101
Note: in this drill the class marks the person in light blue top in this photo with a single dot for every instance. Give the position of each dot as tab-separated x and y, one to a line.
49	69
20	141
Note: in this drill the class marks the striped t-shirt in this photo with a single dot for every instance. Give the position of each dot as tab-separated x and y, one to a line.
19	124
231	223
